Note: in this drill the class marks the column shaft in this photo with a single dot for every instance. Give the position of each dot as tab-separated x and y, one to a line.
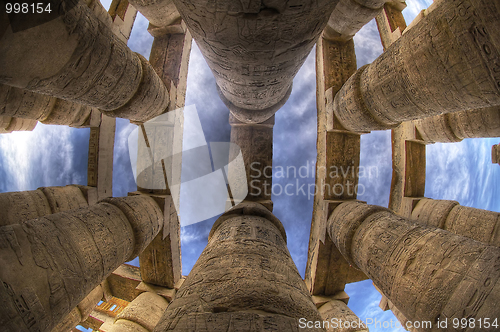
142	314
456	42
256	144
454	127
337	313
81	60
429	274
255	48
245	280
495	154
51	264
477	224
20	206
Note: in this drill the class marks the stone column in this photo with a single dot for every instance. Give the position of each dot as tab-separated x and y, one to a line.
68	64
456	42
477	224
256	144
20	206
9	124
51	264
80	312
349	16
255	48
454	127
141	315
495	154
341	318
245	280
428	273
19	103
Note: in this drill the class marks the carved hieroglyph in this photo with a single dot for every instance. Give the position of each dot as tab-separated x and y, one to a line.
255	48
340	318
428	273
245	280
447	62
52	263
83	61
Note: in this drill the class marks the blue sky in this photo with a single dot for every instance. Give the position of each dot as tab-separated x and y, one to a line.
57	155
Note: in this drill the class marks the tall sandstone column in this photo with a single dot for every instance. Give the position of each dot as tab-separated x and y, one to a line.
50	264
255	48
454	127
256	144
20	206
80	59
340	318
245	280
447	62
429	274
495	154
141	315
477	224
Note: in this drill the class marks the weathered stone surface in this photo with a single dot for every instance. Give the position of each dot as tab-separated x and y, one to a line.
9	124
337	313
255	49
456	42
349	16
453	127
477	224
68	64
428	273
256	145
145	310
160	13
20	206
391	23
245	280
495	154
53	262
327	272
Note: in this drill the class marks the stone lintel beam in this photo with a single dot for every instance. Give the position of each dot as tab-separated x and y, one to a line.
160	13
255	49
477	224
390	23
68	64
349	16
20	206
327	272
495	154
408	169
405	82
123	282
123	16
100	160
160	262
256	145
51	264
454	127
245	279
428	273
